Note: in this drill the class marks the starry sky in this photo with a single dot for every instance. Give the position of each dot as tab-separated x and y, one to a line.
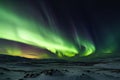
65	29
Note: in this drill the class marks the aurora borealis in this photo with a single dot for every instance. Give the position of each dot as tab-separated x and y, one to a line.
50	29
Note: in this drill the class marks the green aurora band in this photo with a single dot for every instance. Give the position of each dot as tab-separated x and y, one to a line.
25	30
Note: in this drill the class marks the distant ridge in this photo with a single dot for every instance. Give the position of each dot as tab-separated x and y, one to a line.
8	58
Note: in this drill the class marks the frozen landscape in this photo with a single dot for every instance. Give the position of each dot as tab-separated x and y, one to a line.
60	70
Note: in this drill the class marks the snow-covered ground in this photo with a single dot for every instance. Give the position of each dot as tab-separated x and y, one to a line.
55	71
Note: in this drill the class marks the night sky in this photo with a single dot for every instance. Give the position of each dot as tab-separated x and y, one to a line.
65	29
